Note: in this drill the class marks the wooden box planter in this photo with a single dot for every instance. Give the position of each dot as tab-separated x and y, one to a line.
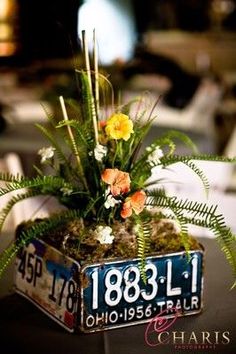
110	294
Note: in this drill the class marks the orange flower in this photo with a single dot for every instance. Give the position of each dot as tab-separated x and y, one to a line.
134	203
126	211
119	126
119	181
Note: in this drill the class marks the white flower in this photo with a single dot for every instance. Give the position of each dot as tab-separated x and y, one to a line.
104	235
66	191
46	153
110	200
100	152
154	157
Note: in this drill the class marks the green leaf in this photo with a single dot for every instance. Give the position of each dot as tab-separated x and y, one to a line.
199	214
39	229
15	199
143	229
39	182
54	143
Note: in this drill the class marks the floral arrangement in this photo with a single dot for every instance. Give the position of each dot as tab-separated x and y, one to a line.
100	174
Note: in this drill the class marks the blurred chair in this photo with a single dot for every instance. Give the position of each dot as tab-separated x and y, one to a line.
188	101
197	116
230	149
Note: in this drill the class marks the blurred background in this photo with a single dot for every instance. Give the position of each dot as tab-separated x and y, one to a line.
181	51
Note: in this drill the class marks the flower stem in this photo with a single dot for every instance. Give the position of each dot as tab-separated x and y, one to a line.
115	154
65	116
88	71
96	75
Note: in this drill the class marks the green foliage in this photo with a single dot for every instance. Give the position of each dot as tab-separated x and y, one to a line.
9	177
199	214
51	138
82	151
45	183
38	229
143	229
87	101
14	200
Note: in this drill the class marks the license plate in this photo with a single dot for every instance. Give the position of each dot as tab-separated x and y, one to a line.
50	280
114	295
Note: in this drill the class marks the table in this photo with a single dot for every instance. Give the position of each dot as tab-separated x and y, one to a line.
25	329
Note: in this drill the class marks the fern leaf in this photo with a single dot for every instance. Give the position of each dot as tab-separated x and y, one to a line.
87	99
82	134
48	114
36	230
169	160
55	144
42	182
9	177
38	170
143	238
199	214
15	199
224	236
75	106
174	134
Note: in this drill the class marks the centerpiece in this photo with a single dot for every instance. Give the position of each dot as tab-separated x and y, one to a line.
119	252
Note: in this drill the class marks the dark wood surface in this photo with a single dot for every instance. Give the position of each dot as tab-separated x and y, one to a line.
24	329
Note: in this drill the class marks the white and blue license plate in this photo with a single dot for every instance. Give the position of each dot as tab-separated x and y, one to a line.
114	295
111	294
50	280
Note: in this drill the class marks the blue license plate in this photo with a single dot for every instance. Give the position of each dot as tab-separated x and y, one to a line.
113	293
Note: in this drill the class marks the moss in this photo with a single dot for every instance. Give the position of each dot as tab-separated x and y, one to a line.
79	241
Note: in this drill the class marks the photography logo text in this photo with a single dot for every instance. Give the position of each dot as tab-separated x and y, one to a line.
158	332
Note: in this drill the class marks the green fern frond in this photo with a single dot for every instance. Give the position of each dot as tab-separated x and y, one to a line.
82	135
9	177
7	256
189	161
140	131
224	236
169	160
168	140
226	239
75	106
61	156
48	114
39	229
15	199
87	99
174	134
184	235
90	206
200	174
199	214
157	198
41	182
38	170
141	168
143	230
125	108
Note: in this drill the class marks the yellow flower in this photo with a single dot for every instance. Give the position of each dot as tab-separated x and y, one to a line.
119	126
